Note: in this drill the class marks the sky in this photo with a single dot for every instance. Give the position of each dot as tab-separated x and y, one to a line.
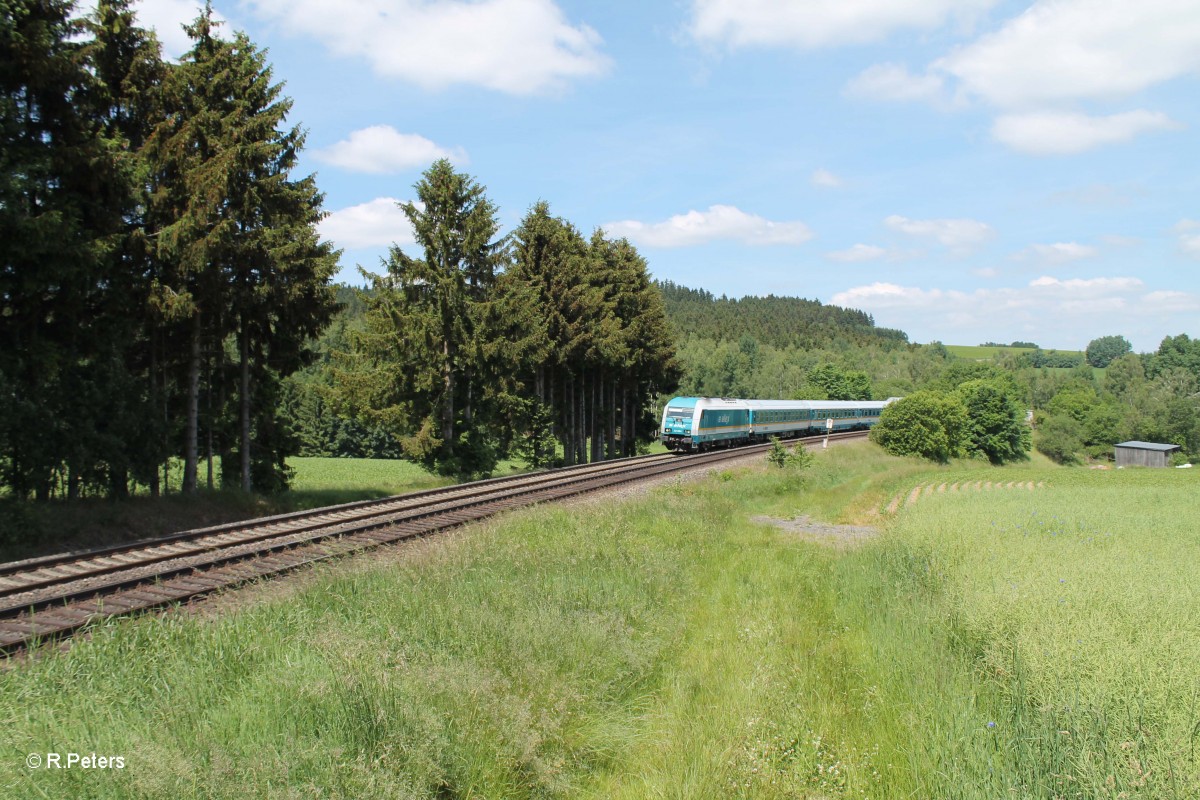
964	170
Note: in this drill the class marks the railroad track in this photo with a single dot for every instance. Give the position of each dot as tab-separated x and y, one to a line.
50	598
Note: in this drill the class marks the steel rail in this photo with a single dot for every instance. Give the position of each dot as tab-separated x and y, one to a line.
127	589
27	567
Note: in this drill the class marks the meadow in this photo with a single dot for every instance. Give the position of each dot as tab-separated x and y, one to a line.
984	353
995	643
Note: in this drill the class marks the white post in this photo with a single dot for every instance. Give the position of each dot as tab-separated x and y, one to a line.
828	428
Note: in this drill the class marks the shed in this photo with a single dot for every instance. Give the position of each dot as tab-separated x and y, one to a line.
1144	454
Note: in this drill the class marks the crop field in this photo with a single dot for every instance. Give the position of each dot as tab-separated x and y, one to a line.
981	353
724	637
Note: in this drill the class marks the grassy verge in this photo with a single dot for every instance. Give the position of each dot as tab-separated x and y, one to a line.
32	529
1005	643
28	529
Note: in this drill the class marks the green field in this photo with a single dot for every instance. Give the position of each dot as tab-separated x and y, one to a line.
981	353
1003	642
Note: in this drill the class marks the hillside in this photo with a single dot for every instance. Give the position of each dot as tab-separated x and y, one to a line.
776	321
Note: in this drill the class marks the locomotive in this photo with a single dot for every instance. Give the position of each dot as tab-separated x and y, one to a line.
691	424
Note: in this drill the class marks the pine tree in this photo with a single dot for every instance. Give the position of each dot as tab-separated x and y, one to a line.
125	100
422	362
240	238
57	175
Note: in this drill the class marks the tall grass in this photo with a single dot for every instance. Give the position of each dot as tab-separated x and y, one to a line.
1077	609
1015	644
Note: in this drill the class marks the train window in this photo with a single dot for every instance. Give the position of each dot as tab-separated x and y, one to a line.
681	413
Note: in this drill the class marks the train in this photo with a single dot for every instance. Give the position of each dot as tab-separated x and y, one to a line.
693	424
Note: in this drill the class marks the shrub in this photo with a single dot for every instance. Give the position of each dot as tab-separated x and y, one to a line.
1060	438
927	424
798	457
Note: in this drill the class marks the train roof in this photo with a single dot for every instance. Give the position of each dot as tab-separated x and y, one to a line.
786	405
709	402
808	405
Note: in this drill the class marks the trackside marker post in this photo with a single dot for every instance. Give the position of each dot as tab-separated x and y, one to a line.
828	428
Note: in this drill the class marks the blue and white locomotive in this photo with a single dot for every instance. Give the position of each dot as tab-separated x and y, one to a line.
702	423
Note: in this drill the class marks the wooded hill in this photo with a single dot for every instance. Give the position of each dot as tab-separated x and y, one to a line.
770	320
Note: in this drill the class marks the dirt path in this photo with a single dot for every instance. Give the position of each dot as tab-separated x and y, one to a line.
840	537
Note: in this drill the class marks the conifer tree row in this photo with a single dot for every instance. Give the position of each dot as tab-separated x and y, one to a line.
544	342
159	268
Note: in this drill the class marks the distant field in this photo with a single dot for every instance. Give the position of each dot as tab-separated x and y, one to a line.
979	353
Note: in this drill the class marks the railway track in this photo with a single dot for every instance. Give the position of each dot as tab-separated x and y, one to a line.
49	598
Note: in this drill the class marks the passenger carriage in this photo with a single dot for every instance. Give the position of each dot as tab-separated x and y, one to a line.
701	423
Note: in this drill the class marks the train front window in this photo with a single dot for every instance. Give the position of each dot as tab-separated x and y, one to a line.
680	413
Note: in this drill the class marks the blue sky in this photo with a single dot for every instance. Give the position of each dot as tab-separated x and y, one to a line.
965	170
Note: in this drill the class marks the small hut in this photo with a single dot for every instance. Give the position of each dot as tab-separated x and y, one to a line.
1144	454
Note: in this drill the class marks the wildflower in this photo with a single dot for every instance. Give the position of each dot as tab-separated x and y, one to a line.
991	724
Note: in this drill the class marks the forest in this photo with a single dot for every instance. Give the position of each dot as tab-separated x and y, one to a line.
162	276
160	269
167	300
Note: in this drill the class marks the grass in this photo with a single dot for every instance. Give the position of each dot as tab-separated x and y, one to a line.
668	647
984	353
325	481
29	529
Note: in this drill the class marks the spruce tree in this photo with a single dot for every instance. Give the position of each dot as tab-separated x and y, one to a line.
56	176
240	237
424	348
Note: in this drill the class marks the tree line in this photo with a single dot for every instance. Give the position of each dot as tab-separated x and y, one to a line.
1153	397
160	268
543	343
781	322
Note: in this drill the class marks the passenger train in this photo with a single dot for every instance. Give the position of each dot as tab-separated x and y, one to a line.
702	423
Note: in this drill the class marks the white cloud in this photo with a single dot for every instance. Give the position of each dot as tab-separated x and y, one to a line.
1066	133
825	179
1055	54
718	222
895	83
820	23
1090	286
1054	312
1189	236
959	235
378	223
1061	50
381	149
1170	302
859	252
1057	253
515	46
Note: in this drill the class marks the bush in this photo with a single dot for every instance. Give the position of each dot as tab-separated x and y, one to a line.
798	457
927	424
1060	439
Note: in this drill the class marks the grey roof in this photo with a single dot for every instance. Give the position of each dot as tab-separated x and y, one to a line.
1150	446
